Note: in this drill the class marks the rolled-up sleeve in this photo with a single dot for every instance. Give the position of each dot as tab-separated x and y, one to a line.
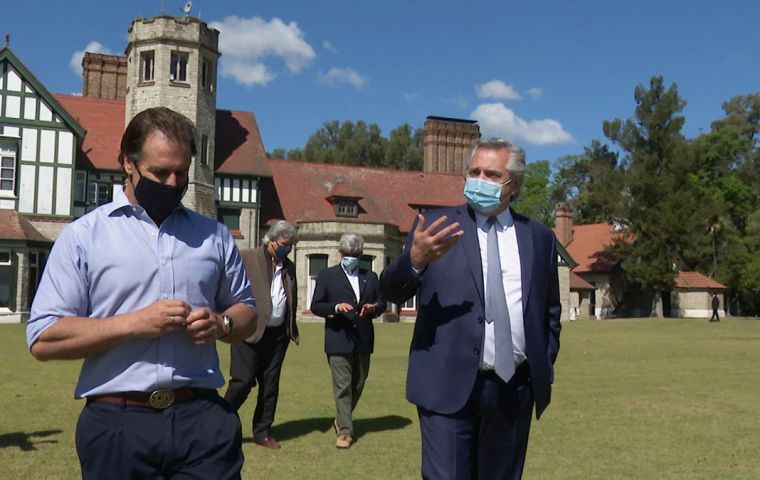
63	290
234	286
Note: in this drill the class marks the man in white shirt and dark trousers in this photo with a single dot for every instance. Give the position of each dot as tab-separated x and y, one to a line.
348	298
259	358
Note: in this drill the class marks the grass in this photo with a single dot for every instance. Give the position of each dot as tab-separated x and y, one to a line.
633	399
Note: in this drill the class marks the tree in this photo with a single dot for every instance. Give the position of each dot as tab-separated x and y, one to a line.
592	183
346	144
660	206
535	200
404	148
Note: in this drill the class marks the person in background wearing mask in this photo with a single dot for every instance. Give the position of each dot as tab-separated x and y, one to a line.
348	298
141	289
259	357
487	330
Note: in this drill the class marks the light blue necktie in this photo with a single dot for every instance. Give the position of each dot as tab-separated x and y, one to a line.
496	307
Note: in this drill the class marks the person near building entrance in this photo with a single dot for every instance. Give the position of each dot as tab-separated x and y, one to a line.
348	298
487	330
141	289
715	302
259	358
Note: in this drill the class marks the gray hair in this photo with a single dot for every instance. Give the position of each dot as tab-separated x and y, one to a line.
516	162
351	245
280	229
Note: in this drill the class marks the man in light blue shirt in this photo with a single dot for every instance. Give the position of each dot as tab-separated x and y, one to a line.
141	289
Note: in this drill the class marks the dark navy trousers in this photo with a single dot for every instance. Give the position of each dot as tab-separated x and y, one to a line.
196	439
487	438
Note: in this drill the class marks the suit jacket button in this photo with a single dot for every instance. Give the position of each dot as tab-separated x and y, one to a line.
476	351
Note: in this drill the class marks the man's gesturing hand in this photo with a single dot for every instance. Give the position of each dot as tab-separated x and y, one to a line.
429	244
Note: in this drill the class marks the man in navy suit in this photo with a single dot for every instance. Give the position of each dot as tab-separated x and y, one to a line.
348	298
487	329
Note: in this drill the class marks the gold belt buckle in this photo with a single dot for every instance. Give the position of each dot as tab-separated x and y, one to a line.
161	398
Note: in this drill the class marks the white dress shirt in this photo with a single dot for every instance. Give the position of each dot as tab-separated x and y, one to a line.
509	256
279	304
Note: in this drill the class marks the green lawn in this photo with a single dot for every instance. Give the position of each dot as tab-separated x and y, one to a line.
647	399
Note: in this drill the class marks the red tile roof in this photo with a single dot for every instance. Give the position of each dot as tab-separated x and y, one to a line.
14	226
385	195
238	150
104	121
695	280
587	247
577	283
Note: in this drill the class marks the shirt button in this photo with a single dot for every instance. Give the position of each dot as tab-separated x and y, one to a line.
476	351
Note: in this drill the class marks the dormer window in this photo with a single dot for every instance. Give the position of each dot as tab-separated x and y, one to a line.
346	207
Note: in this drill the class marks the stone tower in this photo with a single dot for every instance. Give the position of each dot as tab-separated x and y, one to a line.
447	143
171	62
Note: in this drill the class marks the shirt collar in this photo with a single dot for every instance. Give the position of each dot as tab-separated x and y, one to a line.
505	219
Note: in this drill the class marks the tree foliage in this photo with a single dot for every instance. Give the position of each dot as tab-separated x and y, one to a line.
535	200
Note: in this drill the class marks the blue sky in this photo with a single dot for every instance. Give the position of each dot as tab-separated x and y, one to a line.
543	73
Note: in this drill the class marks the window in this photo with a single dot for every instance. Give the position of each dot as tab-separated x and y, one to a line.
178	67
207	76
36	266
346	208
230	217
365	262
204	150
7	174
147	66
80	187
98	193
317	263
5	279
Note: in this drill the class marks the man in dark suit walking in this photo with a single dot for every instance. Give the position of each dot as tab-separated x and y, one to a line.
487	331
259	357
715	303
348	298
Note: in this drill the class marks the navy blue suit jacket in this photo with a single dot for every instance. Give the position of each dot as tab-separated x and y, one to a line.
444	357
346	332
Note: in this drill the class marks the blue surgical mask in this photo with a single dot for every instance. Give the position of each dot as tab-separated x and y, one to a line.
483	196
349	263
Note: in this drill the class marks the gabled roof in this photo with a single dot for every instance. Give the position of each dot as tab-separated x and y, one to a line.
7	55
104	119
238	150
385	195
588	247
577	283
695	280
15	228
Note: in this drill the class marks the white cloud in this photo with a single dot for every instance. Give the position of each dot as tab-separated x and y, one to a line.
246	42
497	90
535	92
496	120
329	47
76	58
343	75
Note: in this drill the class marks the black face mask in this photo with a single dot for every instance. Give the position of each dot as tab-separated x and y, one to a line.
158	200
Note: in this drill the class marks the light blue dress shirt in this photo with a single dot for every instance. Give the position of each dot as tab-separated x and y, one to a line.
115	260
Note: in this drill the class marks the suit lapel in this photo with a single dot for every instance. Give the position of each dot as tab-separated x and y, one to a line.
469	243
525	249
343	279
362	285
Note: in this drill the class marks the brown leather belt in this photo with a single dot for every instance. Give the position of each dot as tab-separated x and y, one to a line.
158	399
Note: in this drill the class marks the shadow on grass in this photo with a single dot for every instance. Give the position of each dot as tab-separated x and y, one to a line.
299	428
24	440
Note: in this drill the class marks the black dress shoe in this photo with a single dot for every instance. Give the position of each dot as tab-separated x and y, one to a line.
268	442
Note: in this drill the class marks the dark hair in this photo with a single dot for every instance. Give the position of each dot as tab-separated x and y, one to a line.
175	126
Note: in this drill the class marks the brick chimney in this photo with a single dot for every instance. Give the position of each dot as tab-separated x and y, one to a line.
105	76
447	143
563	223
